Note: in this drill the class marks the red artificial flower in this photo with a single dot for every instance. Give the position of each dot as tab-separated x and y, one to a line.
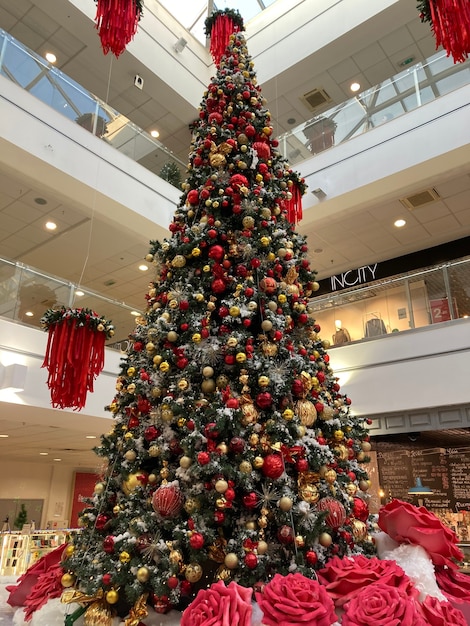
345	577
406	523
380	605
441	613
219	604
295	599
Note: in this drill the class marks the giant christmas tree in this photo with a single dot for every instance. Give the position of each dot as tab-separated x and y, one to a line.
234	455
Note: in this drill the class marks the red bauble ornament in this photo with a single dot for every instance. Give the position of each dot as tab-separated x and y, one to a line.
219	517
237	445
168	500
151	433
268	285
193	196
172	582
196	541
216	253
108	544
311	558
203	458
161	604
251	560
185	587
143	542
250	500
297	388
273	466
264	400
336	512
302	465
263	150
360	509
101	521
285	535
218	285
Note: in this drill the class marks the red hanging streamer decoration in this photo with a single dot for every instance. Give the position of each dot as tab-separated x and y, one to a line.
294	205
451	26
116	21
219	26
74	354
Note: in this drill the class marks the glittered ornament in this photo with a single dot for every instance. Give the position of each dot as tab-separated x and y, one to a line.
336	514
273	466
306	411
168	500
193	572
360	509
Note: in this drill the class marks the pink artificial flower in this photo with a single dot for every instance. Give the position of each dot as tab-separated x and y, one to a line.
345	577
382	605
406	523
293	600
219	604
439	613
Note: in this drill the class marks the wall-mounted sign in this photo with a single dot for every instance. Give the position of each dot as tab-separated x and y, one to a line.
351	278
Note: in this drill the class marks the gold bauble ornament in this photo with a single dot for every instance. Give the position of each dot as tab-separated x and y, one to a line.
359	530
67	580
309	493
130	455
191	505
208	372
175	556
217	160
222	448
267	326
364	485
268	348
154	451
99	488
69	550
285	503
258	462
221	486
300	541
231	560
330	476
351	489
263	381
263	521
251	525
185	462
143	574
262	547
134	480
183	384
222	381
248	222
366	447
254	440
172	336
245	467
328	413
124	557
325	540
208	385
179	261
112	597
306	411
193	572
341	452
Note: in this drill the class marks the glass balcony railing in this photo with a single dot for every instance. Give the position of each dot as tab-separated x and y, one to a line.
417	299
26	294
413	87
420	298
34	74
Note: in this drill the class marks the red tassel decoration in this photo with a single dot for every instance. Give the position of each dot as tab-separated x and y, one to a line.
219	26
294	205
451	26
116	21
74	354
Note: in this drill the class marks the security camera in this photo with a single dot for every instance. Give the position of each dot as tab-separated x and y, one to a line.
138	81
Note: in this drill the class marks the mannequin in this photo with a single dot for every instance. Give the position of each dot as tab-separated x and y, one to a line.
341	335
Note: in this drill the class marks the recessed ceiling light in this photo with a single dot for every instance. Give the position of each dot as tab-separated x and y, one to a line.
399	223
291	120
79	293
40	200
155	133
57	459
354	87
90	437
50	225
135	313
51	57
4	436
318	250
29	314
143	268
44	453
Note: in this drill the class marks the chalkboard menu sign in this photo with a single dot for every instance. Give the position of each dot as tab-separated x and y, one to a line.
445	470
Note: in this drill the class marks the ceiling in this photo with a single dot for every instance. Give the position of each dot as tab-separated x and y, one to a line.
104	257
